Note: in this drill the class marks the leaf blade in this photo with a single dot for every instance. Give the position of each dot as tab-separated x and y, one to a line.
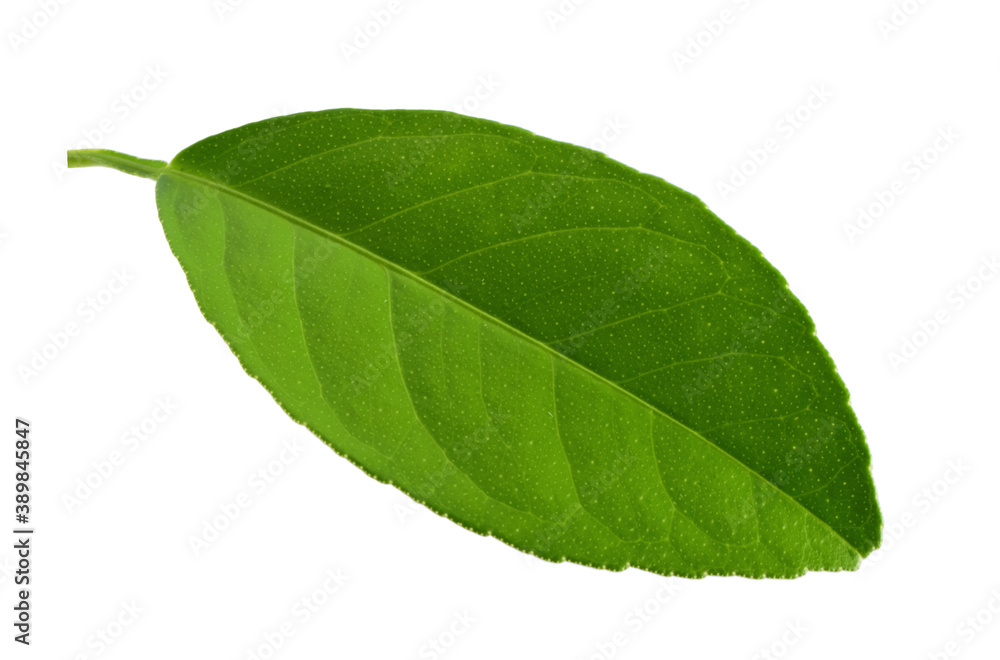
621	516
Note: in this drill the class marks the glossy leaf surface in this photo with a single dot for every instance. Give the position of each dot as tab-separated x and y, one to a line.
530	338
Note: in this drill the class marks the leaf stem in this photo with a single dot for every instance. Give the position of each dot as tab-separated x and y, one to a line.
150	169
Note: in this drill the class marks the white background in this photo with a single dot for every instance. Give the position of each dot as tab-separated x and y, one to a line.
65	235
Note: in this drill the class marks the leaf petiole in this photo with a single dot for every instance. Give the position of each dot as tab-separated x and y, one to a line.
150	169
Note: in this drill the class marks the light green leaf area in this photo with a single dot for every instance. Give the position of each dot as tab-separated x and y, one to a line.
532	339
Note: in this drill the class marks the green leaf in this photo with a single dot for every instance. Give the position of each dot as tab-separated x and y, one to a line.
532	339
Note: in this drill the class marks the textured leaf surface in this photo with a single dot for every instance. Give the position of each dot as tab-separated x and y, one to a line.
530	338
